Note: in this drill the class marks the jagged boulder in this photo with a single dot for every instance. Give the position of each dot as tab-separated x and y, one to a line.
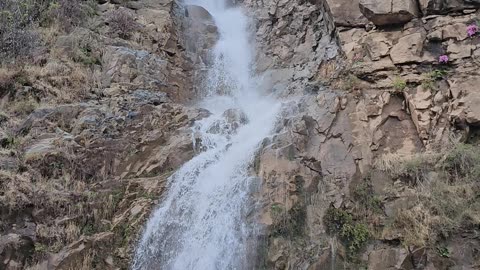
389	12
445	6
202	33
408	49
346	12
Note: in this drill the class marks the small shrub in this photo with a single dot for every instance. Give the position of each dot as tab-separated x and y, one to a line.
443	252
19	19
17	38
88	229
463	161
122	23
354	235
413	169
335	219
446	201
364	194
399	84
67	13
429	81
288	223
24	107
40	248
8	142
351	82
85	55
437	74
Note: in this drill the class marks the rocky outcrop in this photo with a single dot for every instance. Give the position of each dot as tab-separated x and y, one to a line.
389	12
347	13
392	99
93	129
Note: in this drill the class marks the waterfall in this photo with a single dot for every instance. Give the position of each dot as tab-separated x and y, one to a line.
201	223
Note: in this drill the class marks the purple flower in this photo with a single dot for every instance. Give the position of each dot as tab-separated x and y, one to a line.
443	59
472	29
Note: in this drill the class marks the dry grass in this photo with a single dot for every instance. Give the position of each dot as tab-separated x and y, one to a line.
72	232
447	191
122	23
413	167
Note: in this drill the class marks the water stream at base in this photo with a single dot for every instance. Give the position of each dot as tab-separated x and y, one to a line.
201	222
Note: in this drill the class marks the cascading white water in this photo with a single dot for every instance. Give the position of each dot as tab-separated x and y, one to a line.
201	222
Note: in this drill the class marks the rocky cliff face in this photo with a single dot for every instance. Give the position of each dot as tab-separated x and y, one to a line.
370	105
91	127
364	170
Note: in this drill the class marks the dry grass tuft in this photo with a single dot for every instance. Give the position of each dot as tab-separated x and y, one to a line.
446	186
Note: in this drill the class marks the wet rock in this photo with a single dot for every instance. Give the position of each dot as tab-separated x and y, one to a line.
202	33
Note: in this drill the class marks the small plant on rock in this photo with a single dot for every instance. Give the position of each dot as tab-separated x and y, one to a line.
354	235
443	59
429	81
443	252
399	84
472	30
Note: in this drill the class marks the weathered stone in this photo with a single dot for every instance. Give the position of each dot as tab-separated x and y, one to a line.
456	31
388	12
387	259
408	49
459	51
346	12
377	45
443	6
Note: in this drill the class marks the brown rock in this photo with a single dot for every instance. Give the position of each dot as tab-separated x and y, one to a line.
459	51
408	49
388	12
377	45
346	13
387	259
456	31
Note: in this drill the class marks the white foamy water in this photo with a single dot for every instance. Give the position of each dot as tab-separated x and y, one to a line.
201	222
